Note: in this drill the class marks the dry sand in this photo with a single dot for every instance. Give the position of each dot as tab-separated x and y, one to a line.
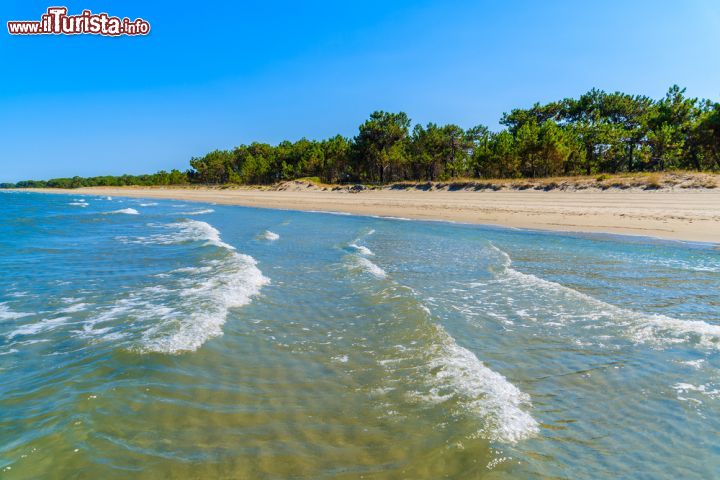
691	215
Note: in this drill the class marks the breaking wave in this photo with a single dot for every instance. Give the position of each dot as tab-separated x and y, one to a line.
8	314
449	372
370	267
191	304
360	254
640	327
270	236
362	249
482	391
126	211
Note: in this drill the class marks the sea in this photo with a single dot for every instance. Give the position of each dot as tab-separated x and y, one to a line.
167	339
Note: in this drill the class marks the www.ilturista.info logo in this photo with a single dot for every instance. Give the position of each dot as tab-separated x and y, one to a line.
57	22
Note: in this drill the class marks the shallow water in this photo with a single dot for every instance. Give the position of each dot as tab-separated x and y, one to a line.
167	339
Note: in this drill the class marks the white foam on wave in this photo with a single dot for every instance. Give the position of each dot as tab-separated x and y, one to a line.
697	265
452	372
78	307
231	284
79	203
190	306
126	211
203	211
340	358
370	267
39	327
184	231
195	230
8	314
331	212
362	249
697	364
687	392
481	391
705	389
390	217
641	327
270	236
151	204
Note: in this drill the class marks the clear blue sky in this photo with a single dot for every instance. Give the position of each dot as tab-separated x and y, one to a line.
216	74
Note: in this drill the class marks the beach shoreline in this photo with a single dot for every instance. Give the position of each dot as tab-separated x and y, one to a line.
686	215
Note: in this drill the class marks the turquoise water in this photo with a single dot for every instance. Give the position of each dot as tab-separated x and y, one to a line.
164	339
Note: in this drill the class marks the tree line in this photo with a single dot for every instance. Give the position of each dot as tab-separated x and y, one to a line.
598	132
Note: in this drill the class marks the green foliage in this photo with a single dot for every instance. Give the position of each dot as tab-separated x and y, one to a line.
174	177
379	151
214	167
596	133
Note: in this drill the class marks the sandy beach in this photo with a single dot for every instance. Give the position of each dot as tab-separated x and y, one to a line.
690	215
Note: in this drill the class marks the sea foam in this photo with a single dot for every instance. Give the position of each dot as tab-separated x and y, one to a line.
270	236
370	267
640	327
454	377
203	211
362	249
452	372
189	307
126	211
39	327
360	254
482	391
7	314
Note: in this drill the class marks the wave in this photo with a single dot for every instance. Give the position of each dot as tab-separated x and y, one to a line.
363	250
695	394
189	307
187	230
389	217
151	204
450	372
7	314
270	236
453	377
195	230
78	307
640	327
198	212
79	203
705	265
39	327
360	254
126	211
370	267
483	392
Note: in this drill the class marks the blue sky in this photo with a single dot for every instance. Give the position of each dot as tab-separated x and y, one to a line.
218	74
